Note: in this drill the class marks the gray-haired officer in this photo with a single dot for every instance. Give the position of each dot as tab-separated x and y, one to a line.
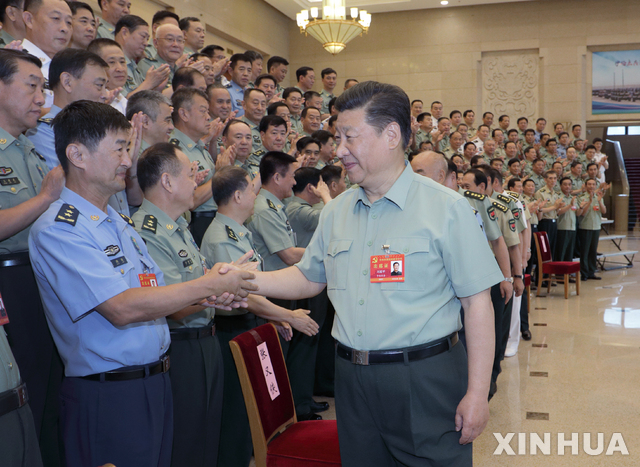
237	134
94	273
26	191
409	325
167	179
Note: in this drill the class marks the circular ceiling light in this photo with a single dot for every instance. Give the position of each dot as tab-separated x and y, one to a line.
444	2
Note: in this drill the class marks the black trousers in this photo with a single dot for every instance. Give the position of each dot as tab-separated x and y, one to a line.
325	361
533	261
565	244
502	321
402	414
588	251
197	382
33	348
199	226
126	423
235	438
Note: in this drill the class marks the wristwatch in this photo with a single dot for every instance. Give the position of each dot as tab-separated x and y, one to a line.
518	276
508	279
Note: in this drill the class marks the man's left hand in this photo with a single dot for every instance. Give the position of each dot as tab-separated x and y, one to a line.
472	416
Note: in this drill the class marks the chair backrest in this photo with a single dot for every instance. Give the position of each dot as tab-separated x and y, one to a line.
543	247
262	375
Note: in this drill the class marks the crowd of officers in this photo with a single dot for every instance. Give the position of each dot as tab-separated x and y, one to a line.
132	156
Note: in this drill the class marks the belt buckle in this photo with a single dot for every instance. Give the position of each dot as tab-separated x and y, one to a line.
360	357
23	397
166	363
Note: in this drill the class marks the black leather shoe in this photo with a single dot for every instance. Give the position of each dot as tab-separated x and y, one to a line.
595	278
572	280
526	335
584	278
324	393
319	406
309	416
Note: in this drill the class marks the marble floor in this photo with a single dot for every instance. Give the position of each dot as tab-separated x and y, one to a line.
580	373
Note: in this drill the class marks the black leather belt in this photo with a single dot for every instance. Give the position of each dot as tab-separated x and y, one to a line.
126	374
234	318
550	220
183	334
14	259
375	357
210	214
13	399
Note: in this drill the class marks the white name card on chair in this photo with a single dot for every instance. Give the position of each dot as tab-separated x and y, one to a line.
267	371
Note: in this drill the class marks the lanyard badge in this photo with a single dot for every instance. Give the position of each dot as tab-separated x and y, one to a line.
387	267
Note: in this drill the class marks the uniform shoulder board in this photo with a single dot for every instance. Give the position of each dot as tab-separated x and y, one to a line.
259	152
175	141
150	223
68	214
231	233
500	206
513	194
127	219
271	205
504	198
45	120
474	195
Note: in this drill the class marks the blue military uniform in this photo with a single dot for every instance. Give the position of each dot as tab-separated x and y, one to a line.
83	257
237	96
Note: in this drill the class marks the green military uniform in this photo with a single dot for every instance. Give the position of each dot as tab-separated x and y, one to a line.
326	97
538	180
256	139
450	152
5	39
548	220
512	203
147	62
589	234
486	158
255	157
548	160
106	30
501	154
226	241
421	137
567	226
197	369
534	215
485	208
444	142
272	231
248	167
576	182
279	90
202	215
134	77
445	246
150	51
296	124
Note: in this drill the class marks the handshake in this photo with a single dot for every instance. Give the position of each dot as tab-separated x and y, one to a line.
229	283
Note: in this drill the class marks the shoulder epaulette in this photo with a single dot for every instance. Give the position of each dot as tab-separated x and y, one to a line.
271	205
474	195
503	198
68	214
175	141
500	206
231	233
45	120
259	152
150	223
127	219
513	194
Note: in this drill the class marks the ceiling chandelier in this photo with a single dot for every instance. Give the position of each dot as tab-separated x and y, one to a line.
330	25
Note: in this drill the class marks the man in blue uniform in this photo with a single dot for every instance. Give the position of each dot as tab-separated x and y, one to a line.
94	274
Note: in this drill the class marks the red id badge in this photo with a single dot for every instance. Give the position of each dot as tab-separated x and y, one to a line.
387	268
148	280
4	318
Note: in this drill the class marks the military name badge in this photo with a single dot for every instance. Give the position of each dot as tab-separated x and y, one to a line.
387	268
4	317
148	280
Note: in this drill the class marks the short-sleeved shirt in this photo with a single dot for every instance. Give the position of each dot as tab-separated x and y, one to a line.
172	247
591	218
9	372
22	170
482	204
156	61
135	77
196	152
248	167
516	208
81	258
551	196
445	256
507	223
326	97
567	221
256	156
576	182
272	231
256	140
534	215
106	30
237	97
303	218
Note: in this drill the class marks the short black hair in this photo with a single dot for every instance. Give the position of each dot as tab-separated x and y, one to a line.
87	123
382	103
261	78
513	161
487	113
523	118
271	120
475	160
275	162
528	180
467	112
310	95
541	120
331	173
416	100
510	142
549	141
9	63
154	161
347	81
6	3
273	108
479	177
332	120
502	117
530	130
148	102
226	182
131	22
185	77
306	110
597	140
74	62
454	112
331	104
576	163
163	14
322	136
247	93
328	71
422	116
287	92
591	164
304	176
511	131
183	99
274	61
512	182
470	143
306	141
74	6
253	55
210	50
185	23
100	43
235	58
231	122
591	146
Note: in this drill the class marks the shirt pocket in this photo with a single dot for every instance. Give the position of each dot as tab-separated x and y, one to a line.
12	192
337	264
416	262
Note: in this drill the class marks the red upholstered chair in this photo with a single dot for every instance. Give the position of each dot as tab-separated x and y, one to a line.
527	287
546	265
279	440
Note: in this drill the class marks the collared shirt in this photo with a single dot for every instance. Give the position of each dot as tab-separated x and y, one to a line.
43	137
256	139
303	218
279	90
562	151
271	230
479	145
538	180
534	215
255	158
106	30
172	247
147	62
81	258
450	152
445	256
591	218
196	152
507	223
5	38
237	97
34	50
150	50
248	167
551	196
443	143
134	77
9	372
326	97
296	123
422	136
576	182
516	208
120	104
21	172
567	221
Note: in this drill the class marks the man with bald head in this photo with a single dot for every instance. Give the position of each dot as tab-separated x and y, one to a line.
169	44
436	167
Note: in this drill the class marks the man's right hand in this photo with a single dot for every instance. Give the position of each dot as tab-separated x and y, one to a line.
52	184
234	281
157	78
506	290
301	321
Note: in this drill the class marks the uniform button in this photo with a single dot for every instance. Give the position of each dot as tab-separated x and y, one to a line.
364	272
121	271
359	333
10	365
375	216
361	302
190	267
369	243
406	250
